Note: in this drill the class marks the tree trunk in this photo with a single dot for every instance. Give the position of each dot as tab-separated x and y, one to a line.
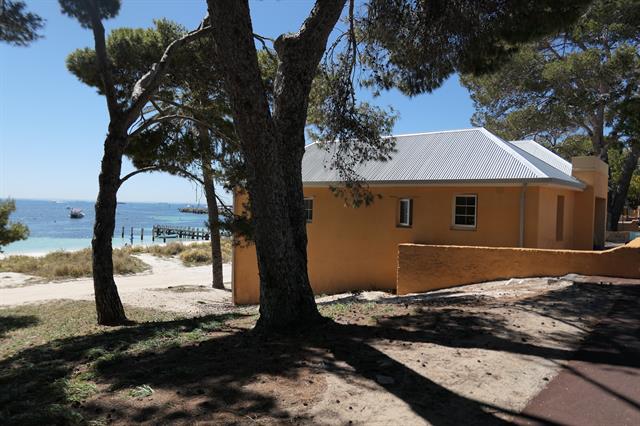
214	225
598	140
108	304
619	196
299	56
274	181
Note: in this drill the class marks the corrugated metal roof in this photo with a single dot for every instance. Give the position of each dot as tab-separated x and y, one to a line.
458	156
539	151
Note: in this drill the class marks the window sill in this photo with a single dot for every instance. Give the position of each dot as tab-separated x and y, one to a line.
462	228
403	226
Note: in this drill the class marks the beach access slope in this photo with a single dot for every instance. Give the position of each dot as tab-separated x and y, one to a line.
138	289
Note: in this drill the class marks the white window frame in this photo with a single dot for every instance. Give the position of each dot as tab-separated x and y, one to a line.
306	210
408	220
475	212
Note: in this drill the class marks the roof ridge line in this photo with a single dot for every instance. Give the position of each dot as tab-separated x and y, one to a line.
506	146
544	148
468	129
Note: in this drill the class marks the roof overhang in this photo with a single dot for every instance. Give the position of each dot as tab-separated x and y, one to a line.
577	186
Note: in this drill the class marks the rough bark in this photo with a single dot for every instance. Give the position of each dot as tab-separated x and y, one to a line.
619	196
272	146
299	56
217	280
600	145
214	229
108	305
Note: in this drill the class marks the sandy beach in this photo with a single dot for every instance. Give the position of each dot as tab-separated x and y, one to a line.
139	289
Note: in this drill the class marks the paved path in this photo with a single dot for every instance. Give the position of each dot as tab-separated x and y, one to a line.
601	385
164	273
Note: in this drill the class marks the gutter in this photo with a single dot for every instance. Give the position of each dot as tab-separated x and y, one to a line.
577	185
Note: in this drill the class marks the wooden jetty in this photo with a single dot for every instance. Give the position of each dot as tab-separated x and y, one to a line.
194	210
180	232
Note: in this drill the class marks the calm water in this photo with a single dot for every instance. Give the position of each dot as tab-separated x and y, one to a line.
52	229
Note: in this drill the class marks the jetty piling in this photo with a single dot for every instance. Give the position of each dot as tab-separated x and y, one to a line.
179	232
194	210
168	232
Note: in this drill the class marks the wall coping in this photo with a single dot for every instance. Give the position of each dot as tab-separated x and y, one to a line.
632	244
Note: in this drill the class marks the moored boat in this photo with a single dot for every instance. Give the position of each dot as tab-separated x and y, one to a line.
76	214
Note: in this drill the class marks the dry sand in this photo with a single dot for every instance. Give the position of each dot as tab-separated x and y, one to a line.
495	344
139	289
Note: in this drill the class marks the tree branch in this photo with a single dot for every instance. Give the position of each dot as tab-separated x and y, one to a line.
160	168
138	171
299	55
224	206
103	62
262	41
555	53
160	119
147	84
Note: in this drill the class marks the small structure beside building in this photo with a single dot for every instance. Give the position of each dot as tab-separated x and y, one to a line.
464	187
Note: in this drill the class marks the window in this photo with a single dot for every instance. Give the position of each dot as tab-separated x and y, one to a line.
406	212
464	211
308	209
560	218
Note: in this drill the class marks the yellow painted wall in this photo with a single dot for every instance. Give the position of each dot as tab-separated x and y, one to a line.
351	249
429	267
547	218
595	173
245	283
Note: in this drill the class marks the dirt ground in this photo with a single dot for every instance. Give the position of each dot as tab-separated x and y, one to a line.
469	355
475	354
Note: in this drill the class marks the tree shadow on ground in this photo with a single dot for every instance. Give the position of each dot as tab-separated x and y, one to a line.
237	377
13	322
34	383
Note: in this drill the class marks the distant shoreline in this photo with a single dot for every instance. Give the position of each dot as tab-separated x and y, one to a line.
120	244
65	200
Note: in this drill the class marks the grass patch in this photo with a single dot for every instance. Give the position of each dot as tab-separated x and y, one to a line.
69	264
34	325
142	391
77	390
339	310
190	254
52	356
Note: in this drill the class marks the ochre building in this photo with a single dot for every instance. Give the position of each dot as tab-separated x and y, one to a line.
464	187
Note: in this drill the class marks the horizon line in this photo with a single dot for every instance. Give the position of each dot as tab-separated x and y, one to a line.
53	200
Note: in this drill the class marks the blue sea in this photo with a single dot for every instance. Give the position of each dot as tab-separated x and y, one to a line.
51	228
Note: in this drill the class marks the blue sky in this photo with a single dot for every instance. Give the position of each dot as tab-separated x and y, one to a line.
52	126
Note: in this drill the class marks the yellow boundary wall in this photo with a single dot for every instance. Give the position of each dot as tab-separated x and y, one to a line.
429	267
